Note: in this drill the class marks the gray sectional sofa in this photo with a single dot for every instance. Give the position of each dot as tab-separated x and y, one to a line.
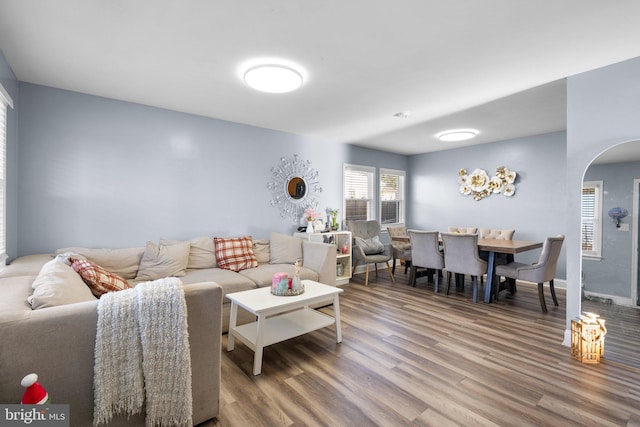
56	339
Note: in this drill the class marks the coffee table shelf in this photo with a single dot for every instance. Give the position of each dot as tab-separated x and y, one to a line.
284	327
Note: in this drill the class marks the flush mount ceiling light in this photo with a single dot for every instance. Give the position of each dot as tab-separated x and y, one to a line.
273	78
457	135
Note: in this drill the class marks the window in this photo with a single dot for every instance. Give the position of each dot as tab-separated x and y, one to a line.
591	227
5	100
392	204
358	192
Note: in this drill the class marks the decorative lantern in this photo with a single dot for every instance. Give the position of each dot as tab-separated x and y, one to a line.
587	338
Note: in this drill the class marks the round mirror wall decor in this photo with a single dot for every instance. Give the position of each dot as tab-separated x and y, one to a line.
295	186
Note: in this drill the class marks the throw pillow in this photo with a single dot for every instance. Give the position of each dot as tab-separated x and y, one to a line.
202	253
235	254
99	280
58	284
370	246
285	249
262	251
160	261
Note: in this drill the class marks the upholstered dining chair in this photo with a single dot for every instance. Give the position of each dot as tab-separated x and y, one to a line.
368	248
499	234
425	253
542	271
463	230
461	257
401	247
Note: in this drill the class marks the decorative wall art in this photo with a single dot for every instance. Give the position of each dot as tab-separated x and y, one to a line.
295	186
478	184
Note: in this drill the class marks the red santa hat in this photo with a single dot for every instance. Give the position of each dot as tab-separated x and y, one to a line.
35	394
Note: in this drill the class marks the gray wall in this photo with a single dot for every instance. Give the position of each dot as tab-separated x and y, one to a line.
10	83
104	173
612	274
535	211
603	107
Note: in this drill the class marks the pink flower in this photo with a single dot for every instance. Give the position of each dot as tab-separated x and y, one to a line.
311	214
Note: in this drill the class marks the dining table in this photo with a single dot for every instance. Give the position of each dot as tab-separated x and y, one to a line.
500	246
496	246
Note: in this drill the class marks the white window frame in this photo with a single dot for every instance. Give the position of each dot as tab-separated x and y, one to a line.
370	197
596	251
5	101
401	193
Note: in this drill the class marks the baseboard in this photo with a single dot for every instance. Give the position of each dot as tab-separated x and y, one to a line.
567	338
610	299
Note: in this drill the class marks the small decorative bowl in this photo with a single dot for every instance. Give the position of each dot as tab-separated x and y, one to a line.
287	292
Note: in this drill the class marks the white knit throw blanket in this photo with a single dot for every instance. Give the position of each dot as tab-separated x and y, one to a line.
142	348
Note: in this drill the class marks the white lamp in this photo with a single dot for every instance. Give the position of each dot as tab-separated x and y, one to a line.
273	78
457	135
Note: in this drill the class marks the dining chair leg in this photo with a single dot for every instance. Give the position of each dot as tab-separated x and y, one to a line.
553	293
376	265
407	265
448	281
412	276
393	279
436	282
355	264
541	296
474	279
393	265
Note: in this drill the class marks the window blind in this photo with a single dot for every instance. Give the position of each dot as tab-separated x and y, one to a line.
3	176
392	203
358	192
590	230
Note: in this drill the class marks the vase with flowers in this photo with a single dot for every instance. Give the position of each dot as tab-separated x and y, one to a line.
311	215
333	213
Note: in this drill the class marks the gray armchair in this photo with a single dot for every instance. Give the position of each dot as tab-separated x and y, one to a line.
367	247
542	271
425	253
461	257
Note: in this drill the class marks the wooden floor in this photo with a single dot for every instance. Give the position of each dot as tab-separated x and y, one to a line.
412	357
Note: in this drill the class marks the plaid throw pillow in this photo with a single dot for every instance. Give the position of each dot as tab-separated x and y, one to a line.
235	254
99	280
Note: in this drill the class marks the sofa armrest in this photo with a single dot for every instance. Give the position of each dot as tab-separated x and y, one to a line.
58	344
320	257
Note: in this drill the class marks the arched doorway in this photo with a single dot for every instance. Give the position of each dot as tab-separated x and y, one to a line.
610	271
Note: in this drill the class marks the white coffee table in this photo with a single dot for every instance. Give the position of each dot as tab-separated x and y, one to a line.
281	317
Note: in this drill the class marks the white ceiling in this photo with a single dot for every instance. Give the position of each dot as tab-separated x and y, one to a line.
494	65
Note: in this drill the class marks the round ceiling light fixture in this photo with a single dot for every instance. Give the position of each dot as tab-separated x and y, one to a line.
457	135
273	78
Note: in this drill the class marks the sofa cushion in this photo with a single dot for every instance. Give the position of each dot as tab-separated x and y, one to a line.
228	280
202	253
235	254
28	265
58	284
161	261
264	273
261	249
99	280
284	249
123	262
370	246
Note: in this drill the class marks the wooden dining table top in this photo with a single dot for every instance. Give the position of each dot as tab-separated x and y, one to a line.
507	246
498	245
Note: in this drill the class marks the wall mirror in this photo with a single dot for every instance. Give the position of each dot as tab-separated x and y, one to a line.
295	186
